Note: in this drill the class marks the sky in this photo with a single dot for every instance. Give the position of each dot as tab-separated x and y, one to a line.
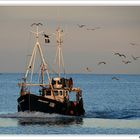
83	49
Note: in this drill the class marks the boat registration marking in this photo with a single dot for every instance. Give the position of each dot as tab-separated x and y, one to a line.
43	101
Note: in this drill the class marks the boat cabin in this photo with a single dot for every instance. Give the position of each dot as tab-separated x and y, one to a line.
62	83
62	90
59	95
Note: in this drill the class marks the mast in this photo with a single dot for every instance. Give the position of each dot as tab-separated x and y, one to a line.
59	55
37	47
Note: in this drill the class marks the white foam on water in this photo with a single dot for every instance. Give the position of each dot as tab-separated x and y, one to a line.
36	118
29	115
111	123
8	122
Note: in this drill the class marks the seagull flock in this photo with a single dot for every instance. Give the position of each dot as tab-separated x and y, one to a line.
124	61
121	55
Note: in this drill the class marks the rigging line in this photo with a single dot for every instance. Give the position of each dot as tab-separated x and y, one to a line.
55	60
51	68
39	74
42	73
45	64
59	61
32	67
30	63
62	58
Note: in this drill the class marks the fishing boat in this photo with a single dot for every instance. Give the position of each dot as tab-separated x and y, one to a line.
54	94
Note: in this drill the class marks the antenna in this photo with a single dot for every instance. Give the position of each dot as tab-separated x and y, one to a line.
37	29
59	55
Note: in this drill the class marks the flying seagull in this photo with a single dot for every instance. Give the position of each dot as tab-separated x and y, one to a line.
102	62
121	55
81	26
135	58
133	44
126	62
37	24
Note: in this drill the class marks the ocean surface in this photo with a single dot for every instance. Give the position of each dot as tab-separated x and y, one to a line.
112	107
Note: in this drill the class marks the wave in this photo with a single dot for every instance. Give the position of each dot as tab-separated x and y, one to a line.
115	114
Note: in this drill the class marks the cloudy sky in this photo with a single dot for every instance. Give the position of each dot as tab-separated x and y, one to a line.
119	32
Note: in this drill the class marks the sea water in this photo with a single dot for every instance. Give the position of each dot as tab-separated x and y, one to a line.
111	106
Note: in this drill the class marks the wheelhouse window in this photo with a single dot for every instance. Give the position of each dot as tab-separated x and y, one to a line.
48	93
60	93
56	93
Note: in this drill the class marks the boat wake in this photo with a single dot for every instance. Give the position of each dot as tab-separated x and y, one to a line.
27	118
39	118
104	114
27	114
